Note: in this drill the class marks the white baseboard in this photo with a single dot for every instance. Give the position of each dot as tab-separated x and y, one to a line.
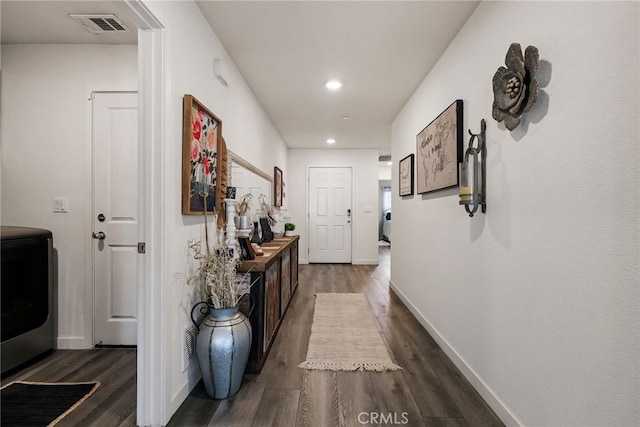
485	391
365	261
302	261
183	392
72	343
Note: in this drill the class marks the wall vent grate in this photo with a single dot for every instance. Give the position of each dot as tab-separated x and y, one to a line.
188	349
100	23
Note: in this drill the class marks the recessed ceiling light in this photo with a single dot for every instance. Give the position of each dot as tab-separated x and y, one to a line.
331	141
390	163
333	84
345	117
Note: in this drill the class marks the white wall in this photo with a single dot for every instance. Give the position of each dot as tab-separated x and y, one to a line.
45	132
364	164
190	49
538	299
384	171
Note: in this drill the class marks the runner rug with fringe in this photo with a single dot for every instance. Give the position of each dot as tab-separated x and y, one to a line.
42	404
344	336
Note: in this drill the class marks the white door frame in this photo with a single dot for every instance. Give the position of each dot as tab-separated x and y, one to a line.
153	371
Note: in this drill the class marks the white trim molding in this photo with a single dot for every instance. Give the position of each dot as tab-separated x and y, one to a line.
153	377
481	387
71	343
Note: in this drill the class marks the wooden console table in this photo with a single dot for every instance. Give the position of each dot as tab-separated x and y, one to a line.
276	277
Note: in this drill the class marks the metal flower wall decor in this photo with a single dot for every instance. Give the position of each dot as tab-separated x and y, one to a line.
515	88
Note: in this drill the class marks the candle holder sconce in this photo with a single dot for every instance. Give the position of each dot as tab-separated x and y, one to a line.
473	173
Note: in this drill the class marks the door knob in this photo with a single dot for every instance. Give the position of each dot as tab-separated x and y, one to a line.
99	235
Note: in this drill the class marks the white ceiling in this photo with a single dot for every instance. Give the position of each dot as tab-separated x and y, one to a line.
380	50
48	22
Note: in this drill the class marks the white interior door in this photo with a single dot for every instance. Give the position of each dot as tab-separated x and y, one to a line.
330	215
115	217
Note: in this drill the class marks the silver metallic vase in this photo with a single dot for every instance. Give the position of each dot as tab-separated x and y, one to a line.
222	349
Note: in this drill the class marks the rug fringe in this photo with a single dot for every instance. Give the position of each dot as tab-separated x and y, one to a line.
349	366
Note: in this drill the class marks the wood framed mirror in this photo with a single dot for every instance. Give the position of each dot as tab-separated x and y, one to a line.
247	178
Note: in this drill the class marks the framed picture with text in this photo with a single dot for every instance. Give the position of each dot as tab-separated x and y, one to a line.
405	174
439	150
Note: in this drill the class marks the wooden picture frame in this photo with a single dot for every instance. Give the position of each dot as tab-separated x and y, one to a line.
439	150
405	176
277	186
201	168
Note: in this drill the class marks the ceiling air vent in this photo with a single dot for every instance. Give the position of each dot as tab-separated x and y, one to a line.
101	23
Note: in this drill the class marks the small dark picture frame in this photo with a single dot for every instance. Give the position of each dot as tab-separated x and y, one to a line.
277	186
246	250
405	176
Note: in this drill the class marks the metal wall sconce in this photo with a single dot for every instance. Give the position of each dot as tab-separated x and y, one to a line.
473	173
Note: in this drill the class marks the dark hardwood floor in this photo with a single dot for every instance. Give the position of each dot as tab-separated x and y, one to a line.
113	403
428	391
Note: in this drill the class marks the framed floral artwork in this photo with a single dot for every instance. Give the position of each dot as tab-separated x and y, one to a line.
277	186
201	137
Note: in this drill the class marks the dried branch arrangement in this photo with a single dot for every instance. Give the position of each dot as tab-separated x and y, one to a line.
216	273
243	207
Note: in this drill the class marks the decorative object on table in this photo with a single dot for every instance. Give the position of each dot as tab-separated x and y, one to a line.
405	174
255	237
222	179
344	336
257	250
201	138
246	250
224	334
267	209
243	232
231	192
267	234
28	403
243	221
242	208
231	243
288	229
473	173
277	186
515	88
439	150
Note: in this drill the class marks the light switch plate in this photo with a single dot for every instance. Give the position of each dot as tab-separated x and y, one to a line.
61	204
